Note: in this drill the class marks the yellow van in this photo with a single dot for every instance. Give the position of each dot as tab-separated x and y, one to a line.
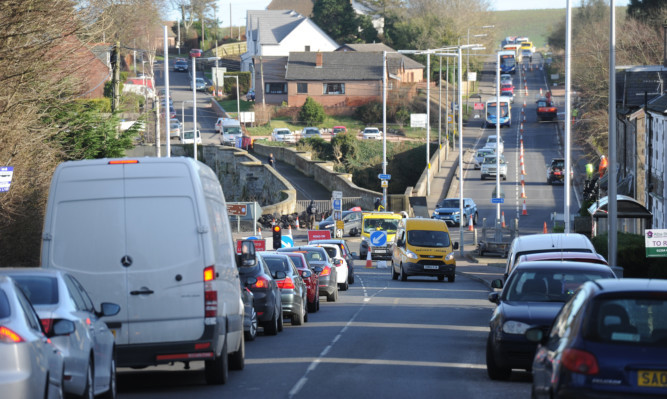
528	46
378	221
423	247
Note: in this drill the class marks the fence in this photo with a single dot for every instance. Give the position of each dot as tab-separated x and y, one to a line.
324	206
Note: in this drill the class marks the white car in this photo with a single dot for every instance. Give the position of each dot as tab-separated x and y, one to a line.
492	142
505	78
90	364
175	129
480	154
489	167
341	264
187	137
372	133
283	134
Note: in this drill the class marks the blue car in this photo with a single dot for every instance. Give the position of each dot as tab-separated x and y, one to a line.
609	341
449	210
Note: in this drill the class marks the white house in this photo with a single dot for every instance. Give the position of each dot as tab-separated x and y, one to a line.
272	33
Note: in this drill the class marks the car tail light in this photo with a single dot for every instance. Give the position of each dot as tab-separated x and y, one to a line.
286	283
123	161
580	361
8	336
210	295
47	324
262	282
557	173
326	271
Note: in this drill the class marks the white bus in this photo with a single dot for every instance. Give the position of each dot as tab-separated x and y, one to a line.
505	112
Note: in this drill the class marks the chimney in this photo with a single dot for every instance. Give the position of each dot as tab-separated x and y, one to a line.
318	60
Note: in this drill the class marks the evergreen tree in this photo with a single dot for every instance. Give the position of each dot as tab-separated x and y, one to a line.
338	19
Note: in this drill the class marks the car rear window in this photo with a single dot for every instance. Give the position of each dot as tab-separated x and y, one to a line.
629	320
331	251
548	285
298	261
5	311
277	264
40	290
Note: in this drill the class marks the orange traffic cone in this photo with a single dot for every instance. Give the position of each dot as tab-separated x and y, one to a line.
470	226
540	92
523	188
524	212
522	111
521	145
545	230
521	128
297	223
369	260
526	88
524	103
523	167
502	220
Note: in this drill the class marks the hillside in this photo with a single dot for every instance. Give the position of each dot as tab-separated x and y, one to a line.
536	24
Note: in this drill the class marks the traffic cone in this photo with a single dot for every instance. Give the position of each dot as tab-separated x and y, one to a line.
524	103
521	128
523	188
259	232
526	88
522	111
540	92
524	212
502	220
523	167
521	145
545	230
297	223
470	226
369	260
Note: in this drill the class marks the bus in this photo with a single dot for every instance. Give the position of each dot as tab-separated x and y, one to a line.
507	61
505	112
516	48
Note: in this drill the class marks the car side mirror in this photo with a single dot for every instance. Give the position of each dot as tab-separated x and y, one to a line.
108	309
497	283
61	327
494	297
279	275
338	262
455	246
306	273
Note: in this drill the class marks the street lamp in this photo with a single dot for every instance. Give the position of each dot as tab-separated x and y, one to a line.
194	106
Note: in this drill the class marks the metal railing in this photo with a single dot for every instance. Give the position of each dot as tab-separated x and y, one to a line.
324	206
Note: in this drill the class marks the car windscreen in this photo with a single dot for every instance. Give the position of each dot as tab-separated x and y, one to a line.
449	203
548	285
428	238
232	130
388	225
5	311
633	319
40	290
277	264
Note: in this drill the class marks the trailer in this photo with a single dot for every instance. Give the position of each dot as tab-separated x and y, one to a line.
496	239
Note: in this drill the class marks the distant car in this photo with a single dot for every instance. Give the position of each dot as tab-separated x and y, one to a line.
89	352
283	134
336	255
196	53
309	277
345	250
200	84
608	341
491	142
507	90
32	366
489	167
449	210
293	290
311	132
172	112
249	314
321	263
546	109
534	294
480	154
259	279
505	78
371	133
351	223
338	129
188	137
181	65
556	171
175	130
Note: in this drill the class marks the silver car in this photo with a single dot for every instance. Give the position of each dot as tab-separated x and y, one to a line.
32	367
90	364
311	132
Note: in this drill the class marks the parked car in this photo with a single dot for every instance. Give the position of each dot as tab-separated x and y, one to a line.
608	341
311	132
249	315
283	134
293	290
534	294
89	352
196	52
188	137
478	159
32	366
492	142
371	133
181	65
490	167
351	223
546	109
556	171
338	129
342	271
199	84
262	282
309	277
449	210
345	250
319	261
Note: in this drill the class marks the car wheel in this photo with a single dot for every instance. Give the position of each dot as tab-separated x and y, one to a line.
252	332
494	371
404	277
312	306
216	371
237	359
281	321
297	318
350	279
305	310
482	177
441	278
113	388
474	219
89	389
271	327
394	275
451	278
343	286
318	303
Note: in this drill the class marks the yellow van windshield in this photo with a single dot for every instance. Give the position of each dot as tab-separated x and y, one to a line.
375	224
428	238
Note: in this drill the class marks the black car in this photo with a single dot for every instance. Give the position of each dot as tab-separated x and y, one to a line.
319	261
351	220
181	65
534	294
292	288
556	171
268	305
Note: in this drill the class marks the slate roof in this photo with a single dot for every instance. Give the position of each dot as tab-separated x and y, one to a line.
303	7
336	66
395	61
273	25
636	81
658	104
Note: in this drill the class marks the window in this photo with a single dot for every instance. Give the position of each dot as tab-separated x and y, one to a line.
276	88
334	88
307	48
302	88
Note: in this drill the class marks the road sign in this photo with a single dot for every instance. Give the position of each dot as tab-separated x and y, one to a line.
287	242
418	120
498	200
384	184
378	238
237	209
340	225
382	176
337	194
6	173
260	245
337	205
319	235
656	243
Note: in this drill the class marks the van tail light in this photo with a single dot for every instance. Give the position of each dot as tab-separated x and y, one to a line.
580	361
47	324
326	271
262	282
210	295
286	283
8	336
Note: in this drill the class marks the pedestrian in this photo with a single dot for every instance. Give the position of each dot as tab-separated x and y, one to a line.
272	160
589	171
603	165
377	204
311	211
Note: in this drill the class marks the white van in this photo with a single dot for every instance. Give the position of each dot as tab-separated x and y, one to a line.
152	235
230	132
540	243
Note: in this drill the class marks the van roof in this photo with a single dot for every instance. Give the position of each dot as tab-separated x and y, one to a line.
426	224
382	215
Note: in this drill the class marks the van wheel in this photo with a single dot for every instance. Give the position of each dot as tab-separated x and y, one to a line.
237	359
404	277
394	275
271	327
217	370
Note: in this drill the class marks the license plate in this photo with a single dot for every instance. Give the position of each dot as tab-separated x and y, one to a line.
649	378
431	267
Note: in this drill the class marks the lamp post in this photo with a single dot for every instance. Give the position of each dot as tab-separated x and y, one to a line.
194	107
183	113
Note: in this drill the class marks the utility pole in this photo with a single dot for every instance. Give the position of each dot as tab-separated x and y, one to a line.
115	103
261	73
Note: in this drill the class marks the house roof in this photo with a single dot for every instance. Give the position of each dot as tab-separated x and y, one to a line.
658	104
336	66
272	26
303	7
395	61
640	81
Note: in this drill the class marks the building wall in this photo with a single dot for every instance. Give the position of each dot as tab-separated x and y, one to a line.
412	76
356	94
306	34
656	198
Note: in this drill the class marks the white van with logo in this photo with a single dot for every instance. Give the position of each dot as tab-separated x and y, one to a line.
152	235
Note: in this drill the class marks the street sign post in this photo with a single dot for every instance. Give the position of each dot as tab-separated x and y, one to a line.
498	200
337	206
237	209
384	176
384	184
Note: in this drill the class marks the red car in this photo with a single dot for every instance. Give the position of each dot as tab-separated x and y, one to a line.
309	277
196	53
507	90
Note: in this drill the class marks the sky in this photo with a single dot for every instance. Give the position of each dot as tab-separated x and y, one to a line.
239	8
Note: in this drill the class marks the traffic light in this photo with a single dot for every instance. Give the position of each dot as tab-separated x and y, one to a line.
277	237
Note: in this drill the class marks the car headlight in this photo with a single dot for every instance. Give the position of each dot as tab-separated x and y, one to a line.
456	213
515	327
450	256
436	213
410	254
328	226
